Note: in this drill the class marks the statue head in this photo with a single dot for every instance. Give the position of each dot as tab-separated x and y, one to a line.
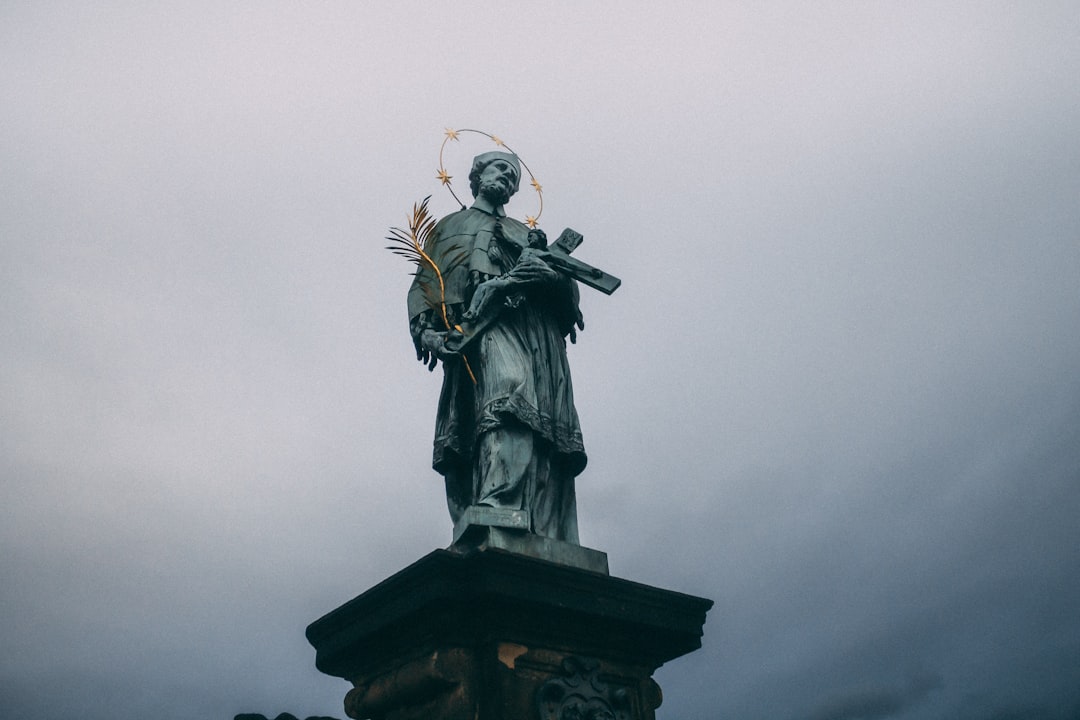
495	175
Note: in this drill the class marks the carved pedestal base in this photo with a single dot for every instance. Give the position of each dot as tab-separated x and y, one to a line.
493	635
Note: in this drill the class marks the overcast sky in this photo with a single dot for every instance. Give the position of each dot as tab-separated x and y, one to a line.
838	392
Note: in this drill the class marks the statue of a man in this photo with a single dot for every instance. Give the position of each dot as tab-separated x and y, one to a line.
511	438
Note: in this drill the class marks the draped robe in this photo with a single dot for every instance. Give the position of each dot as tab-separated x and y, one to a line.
512	439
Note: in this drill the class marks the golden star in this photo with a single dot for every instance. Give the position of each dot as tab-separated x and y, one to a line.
536	184
443	176
498	142
530	221
451	134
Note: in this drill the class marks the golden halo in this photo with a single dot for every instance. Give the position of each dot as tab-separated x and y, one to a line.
445	178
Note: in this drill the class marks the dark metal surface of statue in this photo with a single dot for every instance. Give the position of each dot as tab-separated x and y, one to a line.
494	305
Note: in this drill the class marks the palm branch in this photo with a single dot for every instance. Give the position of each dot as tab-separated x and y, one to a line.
417	245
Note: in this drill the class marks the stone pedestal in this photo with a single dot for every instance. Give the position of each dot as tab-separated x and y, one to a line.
483	633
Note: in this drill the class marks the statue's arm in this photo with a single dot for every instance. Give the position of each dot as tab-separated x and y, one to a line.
559	290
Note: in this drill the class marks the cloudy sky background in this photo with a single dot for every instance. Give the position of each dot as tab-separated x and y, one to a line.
838	392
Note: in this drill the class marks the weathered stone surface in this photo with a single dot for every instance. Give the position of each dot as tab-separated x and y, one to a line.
481	536
582	692
493	635
477	516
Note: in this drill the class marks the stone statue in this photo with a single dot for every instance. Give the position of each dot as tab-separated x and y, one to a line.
507	435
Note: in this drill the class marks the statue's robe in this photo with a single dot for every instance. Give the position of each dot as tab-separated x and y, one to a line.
513	439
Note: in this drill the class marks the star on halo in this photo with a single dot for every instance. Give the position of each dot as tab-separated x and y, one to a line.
451	134
443	177
498	142
530	221
536	185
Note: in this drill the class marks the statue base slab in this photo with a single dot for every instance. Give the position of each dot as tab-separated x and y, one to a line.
499	528
486	634
478	516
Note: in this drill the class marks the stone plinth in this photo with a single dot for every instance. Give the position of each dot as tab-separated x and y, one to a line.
489	634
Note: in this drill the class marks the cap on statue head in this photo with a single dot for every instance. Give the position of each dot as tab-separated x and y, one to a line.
482	160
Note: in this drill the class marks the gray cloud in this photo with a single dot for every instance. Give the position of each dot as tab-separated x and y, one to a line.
838	391
875	703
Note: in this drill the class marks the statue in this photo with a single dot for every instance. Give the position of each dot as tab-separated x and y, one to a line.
494	304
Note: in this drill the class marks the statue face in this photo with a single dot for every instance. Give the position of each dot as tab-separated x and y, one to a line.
497	181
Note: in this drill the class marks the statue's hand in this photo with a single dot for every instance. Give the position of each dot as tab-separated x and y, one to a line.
433	348
531	269
579	321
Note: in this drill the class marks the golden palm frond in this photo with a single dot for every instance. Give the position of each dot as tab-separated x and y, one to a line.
413	245
416	245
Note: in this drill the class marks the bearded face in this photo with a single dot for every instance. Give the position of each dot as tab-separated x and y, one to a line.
496	192
497	182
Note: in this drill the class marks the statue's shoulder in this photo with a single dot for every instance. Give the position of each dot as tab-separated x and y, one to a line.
515	228
462	222
517	225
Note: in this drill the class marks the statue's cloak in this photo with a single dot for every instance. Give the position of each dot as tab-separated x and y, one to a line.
519	361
